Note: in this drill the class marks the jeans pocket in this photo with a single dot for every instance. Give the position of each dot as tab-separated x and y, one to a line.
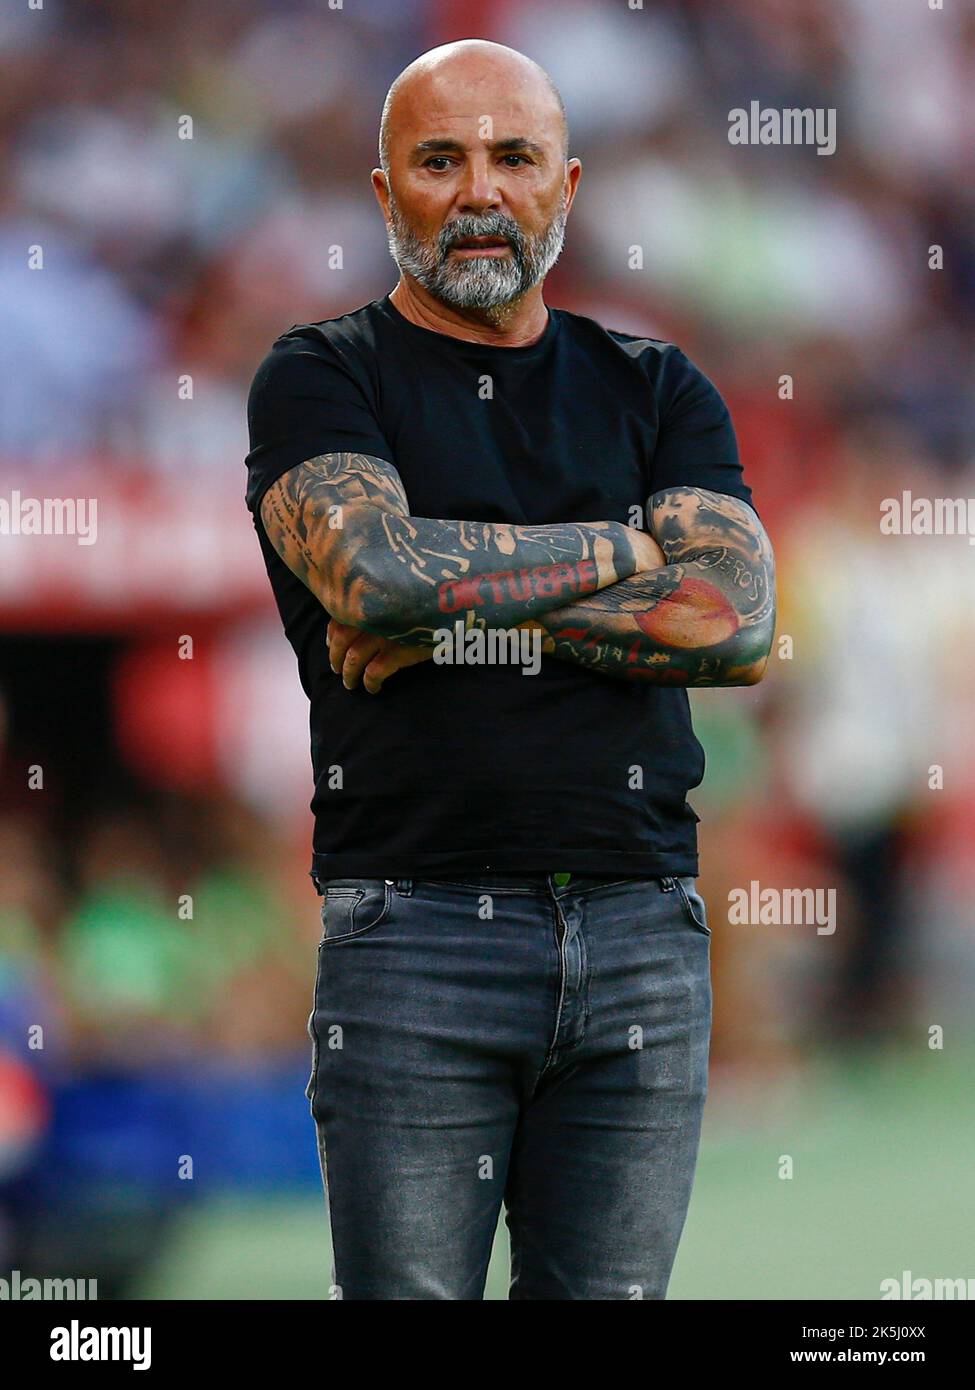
693	904
313	1034
352	907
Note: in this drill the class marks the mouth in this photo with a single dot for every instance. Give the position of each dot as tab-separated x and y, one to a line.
481	246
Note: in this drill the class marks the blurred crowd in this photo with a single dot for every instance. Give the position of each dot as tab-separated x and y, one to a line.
187	169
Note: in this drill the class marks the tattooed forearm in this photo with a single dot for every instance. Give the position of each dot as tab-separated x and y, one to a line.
341	522
705	618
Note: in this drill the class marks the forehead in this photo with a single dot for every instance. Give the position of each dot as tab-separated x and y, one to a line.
438	104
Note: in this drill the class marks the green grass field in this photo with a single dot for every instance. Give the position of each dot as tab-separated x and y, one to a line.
881	1145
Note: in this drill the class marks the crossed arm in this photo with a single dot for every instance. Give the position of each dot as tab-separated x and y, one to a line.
705	617
598	591
341	522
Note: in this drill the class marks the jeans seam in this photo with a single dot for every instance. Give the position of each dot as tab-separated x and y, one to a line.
685	900
553	1048
597	887
480	887
312	1086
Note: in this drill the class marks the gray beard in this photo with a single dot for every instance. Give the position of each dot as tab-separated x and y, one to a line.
476	282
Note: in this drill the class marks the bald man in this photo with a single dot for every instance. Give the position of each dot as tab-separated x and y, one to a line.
503	541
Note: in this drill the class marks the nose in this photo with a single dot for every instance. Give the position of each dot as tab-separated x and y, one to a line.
478	191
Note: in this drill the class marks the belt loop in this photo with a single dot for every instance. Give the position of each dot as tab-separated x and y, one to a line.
403	886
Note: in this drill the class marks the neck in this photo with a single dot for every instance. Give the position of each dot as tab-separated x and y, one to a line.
517	324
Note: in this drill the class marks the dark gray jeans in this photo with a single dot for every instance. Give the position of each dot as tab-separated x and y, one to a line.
503	1039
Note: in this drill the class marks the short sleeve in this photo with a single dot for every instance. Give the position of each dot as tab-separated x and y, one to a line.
696	444
304	401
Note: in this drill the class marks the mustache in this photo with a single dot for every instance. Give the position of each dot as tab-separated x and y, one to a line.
496	225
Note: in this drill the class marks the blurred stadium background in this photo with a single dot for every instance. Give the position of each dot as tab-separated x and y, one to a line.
168	258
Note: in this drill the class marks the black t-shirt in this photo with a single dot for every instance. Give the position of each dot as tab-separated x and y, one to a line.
482	767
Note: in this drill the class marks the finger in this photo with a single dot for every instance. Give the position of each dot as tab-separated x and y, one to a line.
376	672
334	630
394	657
358	657
341	637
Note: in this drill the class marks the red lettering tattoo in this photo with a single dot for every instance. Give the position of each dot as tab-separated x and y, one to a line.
545	581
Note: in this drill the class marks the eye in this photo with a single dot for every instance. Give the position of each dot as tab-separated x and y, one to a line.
441	158
516	156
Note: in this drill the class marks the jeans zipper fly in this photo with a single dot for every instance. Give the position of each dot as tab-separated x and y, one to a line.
561	934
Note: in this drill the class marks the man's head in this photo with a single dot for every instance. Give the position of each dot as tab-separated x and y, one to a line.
474	144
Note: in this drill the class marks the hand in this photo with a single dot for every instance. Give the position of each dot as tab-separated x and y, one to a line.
360	655
648	554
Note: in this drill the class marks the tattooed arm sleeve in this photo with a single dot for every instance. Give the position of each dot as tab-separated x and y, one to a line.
341	522
705	618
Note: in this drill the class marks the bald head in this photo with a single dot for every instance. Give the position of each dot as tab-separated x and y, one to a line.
487	74
475	183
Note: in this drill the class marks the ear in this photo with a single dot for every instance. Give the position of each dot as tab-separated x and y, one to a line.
573	173
380	186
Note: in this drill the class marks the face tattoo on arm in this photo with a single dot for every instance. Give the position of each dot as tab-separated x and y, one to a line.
705	618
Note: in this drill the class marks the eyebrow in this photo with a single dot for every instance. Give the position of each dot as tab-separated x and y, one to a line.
516	144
